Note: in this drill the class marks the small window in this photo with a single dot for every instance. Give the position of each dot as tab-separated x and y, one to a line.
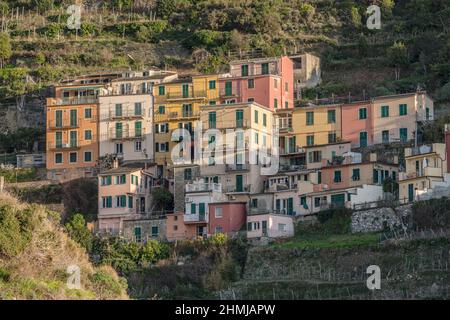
384	111
218	229
256	116
87	156
356	175
331	116
251	83
310	140
218	212
155	231
138	146
337	176
87	135
188	174
403	109
275	103
264	120
58	158
309	118
161	90
73	157
212	84
162	109
363	113
88	113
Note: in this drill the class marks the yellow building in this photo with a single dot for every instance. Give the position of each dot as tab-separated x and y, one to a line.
317	125
177	105
426	167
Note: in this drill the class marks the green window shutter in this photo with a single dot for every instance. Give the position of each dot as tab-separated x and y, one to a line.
331	116
130	202
212	84
228	88
256	116
73	139
403	109
185	90
138	129
384	111
118	130
363	113
58	118
118	110
363	139
162	109
239	118
265	120
264	68
310	140
403	134
275	103
319	177
193	208
138	109
337	176
58	139
309	118
244	70
201	208
73	118
212	120
161	90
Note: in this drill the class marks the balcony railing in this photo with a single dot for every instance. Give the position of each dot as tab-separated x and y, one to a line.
65	124
74	145
240	124
127	114
71	101
195	218
254	70
183	115
198	187
294	150
180	95
234	91
236	167
238	189
124	134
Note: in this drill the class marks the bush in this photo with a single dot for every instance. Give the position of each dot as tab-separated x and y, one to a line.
335	221
78	231
431	214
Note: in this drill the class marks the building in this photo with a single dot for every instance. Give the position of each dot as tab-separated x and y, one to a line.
126	115
227	217
425	168
317	125
124	194
357	123
397	117
307	72
269	225
177	106
72	130
266	81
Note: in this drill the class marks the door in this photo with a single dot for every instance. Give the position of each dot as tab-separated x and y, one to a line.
403	134
410	192
138	129
142	204
363	139
73	118
185	90
239	118
228	88
338	200
118	130
58	118
290	206
239	183
212	120
201	212
73	139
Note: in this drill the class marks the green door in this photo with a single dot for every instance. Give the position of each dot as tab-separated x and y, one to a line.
201	212
138	129
137	234
410	192
228	88
363	139
212	120
73	118
239	118
185	90
290	206
118	130
58	118
239	183
73	139
338	200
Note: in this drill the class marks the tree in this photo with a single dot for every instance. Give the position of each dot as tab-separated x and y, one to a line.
162	199
398	57
164	8
79	232
5	48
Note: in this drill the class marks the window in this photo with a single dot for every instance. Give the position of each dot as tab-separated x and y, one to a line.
337	176
375	176
161	90
385	136
138	146
403	134
87	156
228	88
106	180
384	111
58	118
315	156
244	70
310	140
118	110
332	137
264	68
403	109
251	100
264	140
162	109
212	120
73	157
155	231
73	139
286	105
218	229
130	202
193	208
281	227
218	212
286	87
212	84
58	158
107	202
239	118
58	139
275	103
88	113
188	174
319	177
249	226
212	103
87	135
356	175
185	89
138	109
251	83
134	180
121	201
137	234
73	118
275	83
256	138
264	120
122	179
309	118
363	113
256	116
138	129
363	139
119	148
317	202
331	116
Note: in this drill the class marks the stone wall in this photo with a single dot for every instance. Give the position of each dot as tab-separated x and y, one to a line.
379	219
146	229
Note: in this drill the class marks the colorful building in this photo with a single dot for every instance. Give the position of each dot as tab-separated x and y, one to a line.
227	217
269	225
357	123
266	81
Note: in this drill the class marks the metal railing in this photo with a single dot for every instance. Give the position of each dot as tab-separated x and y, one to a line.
226	124
71	101
196	217
236	167
65	123
238	189
123	134
195	187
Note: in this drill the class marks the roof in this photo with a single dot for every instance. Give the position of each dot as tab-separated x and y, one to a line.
120	170
400	95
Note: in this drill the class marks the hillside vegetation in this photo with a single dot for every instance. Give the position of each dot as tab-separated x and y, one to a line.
35	253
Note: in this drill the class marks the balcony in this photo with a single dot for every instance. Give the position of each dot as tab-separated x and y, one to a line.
280	187
60	146
241	124
71	101
191	95
203	187
238	189
126	134
287	167
232	92
255	69
292	151
425	172
195	218
65	124
236	167
183	115
126	114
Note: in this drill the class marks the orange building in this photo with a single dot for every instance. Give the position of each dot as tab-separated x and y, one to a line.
72	131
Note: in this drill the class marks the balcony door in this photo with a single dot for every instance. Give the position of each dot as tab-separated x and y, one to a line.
239	183
73	139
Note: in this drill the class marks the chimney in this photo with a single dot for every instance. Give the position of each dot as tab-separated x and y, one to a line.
447	145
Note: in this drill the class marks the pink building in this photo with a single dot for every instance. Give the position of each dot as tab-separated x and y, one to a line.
226	217
267	81
357	124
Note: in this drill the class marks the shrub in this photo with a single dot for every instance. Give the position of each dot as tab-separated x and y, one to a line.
78	231
434	213
336	220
